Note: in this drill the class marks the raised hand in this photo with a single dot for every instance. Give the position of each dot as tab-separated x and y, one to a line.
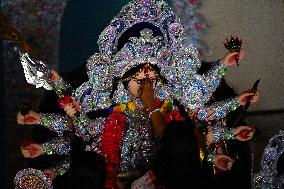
30	118
244	133
71	108
223	162
229	58
146	92
49	173
252	97
54	76
32	150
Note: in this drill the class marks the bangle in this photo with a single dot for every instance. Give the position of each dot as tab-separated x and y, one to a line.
61	168
58	145
211	157
152	108
155	110
222	133
229	134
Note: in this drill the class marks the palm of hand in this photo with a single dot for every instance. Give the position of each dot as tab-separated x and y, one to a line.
146	92
32	151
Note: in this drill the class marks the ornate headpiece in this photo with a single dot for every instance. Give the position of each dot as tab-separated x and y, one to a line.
144	31
150	12
268	176
145	49
157	35
32	178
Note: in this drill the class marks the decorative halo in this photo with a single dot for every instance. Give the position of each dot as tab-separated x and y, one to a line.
32	179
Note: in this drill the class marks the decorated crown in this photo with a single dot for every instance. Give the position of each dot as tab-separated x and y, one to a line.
153	13
144	31
143	49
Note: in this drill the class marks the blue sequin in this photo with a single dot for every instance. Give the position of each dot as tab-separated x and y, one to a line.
86	92
123	98
162	94
214	83
202	114
270	154
221	113
58	126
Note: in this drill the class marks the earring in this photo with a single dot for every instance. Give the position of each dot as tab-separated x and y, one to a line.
161	90
121	94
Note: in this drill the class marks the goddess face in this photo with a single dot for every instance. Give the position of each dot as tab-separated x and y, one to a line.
139	78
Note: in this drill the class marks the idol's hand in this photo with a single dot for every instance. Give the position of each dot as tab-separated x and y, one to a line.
209	137
223	162
229	58
32	151
71	109
49	173
146	93
54	76
244	133
252	97
31	118
146	181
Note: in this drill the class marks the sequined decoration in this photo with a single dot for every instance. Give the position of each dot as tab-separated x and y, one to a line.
268	176
178	62
60	146
222	108
222	133
32	178
61	167
195	24
54	122
138	144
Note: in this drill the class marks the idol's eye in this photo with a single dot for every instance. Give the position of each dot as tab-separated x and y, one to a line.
139	81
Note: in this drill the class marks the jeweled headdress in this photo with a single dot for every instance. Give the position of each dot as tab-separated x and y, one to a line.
151	12
144	31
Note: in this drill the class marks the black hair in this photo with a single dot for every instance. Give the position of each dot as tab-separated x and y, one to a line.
177	164
88	171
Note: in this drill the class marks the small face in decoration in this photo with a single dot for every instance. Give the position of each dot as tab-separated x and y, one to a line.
136	82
